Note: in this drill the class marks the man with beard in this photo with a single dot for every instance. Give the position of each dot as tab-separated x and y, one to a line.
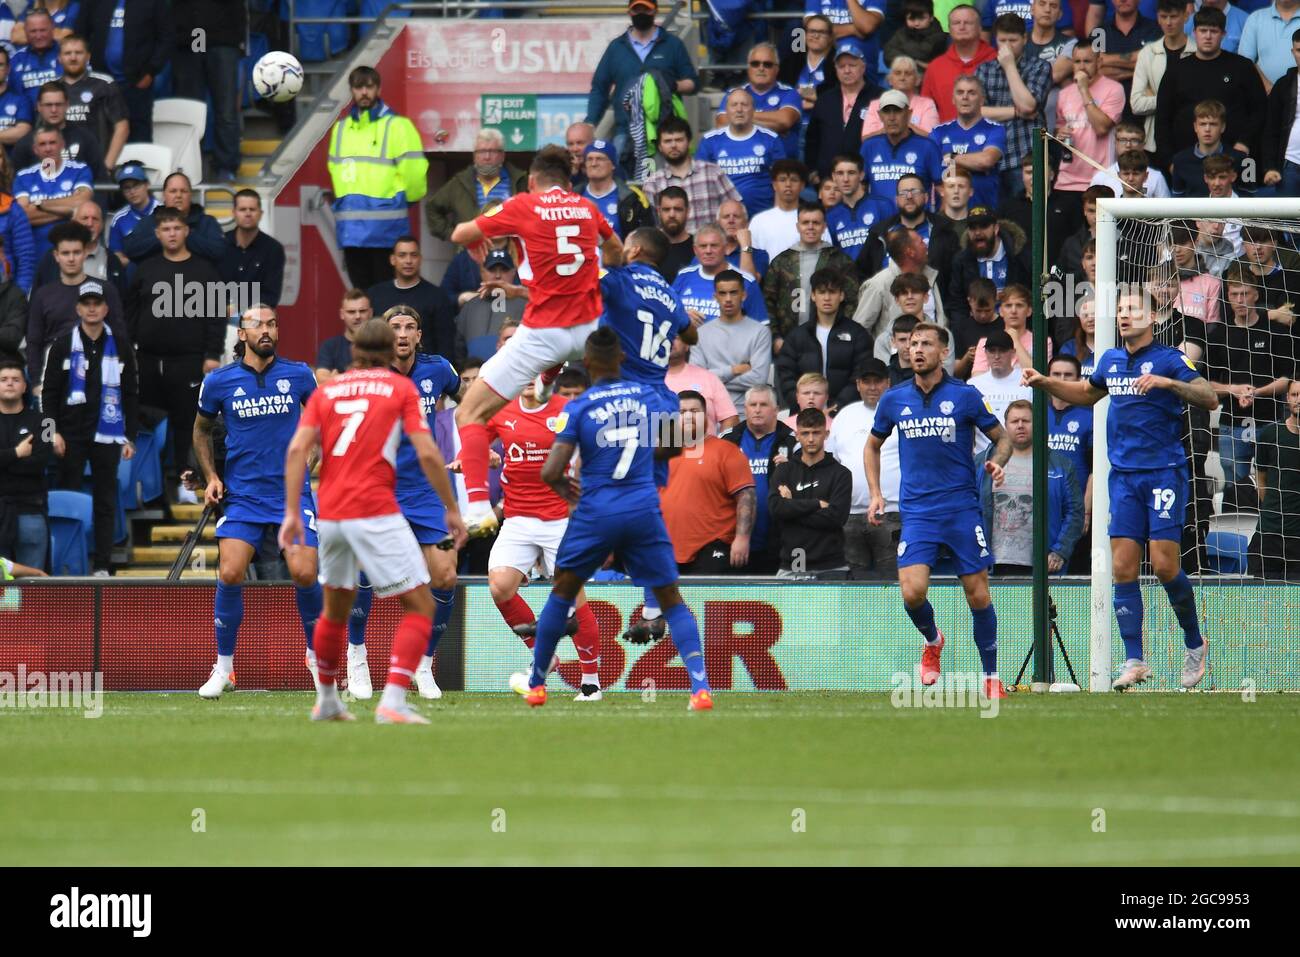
674	209
706	185
987	254
939	240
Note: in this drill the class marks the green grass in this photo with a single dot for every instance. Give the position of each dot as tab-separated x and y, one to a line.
1182	778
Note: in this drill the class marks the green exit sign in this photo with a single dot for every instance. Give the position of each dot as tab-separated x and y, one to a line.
515	117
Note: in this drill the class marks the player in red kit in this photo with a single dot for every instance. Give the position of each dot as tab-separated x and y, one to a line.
535	522
358	419
563	237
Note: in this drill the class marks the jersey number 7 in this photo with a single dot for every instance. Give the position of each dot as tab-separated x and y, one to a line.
355	410
627	437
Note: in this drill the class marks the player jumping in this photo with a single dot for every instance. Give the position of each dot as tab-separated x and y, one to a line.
561	234
1150	385
260	399
433	377
614	426
535	521
357	418
936	417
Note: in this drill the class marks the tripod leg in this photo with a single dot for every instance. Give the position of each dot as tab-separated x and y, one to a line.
1061	644
1024	664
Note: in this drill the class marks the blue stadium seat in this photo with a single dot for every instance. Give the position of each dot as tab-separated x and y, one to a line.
147	462
1227	552
71	532
258	47
318	41
127	492
484	347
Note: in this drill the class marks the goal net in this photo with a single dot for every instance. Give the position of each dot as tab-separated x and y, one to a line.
1223	277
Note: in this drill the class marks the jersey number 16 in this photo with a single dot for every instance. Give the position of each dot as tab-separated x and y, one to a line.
654	342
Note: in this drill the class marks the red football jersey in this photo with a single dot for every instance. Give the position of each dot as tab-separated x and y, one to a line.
561	234
361	415
526	438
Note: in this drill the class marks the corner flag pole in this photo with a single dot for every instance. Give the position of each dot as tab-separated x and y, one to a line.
1043	663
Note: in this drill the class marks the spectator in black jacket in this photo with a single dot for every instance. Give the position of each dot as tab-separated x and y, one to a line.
206	240
13	315
212	71
940	240
828	133
831	344
146	47
995	249
25	448
1281	175
766	442
91	395
809	498
177	310
406	288
253	259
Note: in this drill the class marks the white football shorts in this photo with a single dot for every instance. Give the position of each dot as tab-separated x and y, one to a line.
383	547
531	351
523	540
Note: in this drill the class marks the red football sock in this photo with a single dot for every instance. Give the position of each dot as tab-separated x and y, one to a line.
328	639
587	643
408	645
551	374
474	460
516	612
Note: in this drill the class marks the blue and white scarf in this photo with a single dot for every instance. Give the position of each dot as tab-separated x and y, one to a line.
112	425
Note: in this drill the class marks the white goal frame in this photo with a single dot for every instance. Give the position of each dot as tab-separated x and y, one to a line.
1109	213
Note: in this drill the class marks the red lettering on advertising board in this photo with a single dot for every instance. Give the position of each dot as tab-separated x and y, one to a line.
612	656
723	641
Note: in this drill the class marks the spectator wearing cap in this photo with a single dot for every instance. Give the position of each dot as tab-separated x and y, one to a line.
963	56
52	311
734	347
204	238
899	151
1000	385
871	550
99	264
624	207
499	297
91	394
766	442
683	376
995	250
16	113
788	286
744	151
643	48
489	179
409	288
777	229
94	101
835	123
140	204
971	142
52	189
1016	87
253	259
709	503
777	106
131	40
830	343
706	185
809	498
26	448
335	353
940	240
905	77
79	142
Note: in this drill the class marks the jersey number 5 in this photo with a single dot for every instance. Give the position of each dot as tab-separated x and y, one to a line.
355	410
564	245
654	342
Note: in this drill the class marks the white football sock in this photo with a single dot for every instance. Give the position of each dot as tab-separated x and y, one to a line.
650	614
226	663
426	663
394	697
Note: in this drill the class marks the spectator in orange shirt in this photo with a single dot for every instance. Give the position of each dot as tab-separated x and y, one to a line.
964	54
709	503
683	377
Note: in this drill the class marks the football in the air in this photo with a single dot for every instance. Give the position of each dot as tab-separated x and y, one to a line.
277	77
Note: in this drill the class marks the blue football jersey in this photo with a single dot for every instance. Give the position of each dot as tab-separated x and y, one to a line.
608	206
850	226
778	97
434	377
887	163
29	69
643	310
260	412
1023	8
954	139
34	184
695	291
936	435
15	107
1143	431
610	424
747	163
1070	433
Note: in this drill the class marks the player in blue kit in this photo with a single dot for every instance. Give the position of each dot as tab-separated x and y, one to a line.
936	417
615	428
259	398
1069	431
644	312
1150	386
434	377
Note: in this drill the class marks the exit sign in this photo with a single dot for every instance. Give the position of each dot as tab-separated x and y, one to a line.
529	122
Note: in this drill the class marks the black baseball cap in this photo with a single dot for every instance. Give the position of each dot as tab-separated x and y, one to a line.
498	259
872	368
981	216
998	339
91	289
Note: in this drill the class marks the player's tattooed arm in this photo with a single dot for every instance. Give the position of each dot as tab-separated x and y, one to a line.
555	472
999	455
1198	392
202	442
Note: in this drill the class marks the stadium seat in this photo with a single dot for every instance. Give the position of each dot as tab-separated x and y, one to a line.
147	462
72	528
1227	544
318	41
128	493
179	124
258	47
484	347
156	159
1214	470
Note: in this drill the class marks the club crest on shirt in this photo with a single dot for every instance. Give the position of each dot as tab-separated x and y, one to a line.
979	139
553	423
426	385
945	407
560	421
760	149
1146	368
1073	427
283	385
910	157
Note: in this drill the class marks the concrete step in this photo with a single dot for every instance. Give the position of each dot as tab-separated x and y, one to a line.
187	513
170	534
160	571
249	168
166	554
251	148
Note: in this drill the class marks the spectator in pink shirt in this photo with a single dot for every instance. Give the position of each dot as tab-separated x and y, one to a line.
1199	292
682	376
1086	113
904	77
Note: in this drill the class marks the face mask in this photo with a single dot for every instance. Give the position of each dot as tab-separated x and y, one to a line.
486	169
643	21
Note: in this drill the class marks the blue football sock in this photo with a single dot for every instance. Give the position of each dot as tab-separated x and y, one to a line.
360	613
1181	596
444	604
227	613
1128	612
923	617
986	637
651	604
686	636
551	625
310	602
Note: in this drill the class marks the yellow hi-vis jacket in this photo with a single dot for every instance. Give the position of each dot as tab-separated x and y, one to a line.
377	167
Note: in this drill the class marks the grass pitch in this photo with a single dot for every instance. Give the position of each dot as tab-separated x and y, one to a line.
799	778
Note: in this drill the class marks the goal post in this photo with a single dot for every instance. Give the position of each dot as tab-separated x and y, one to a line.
1159	215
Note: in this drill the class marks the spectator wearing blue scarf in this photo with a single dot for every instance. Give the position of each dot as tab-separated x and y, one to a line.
91	395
